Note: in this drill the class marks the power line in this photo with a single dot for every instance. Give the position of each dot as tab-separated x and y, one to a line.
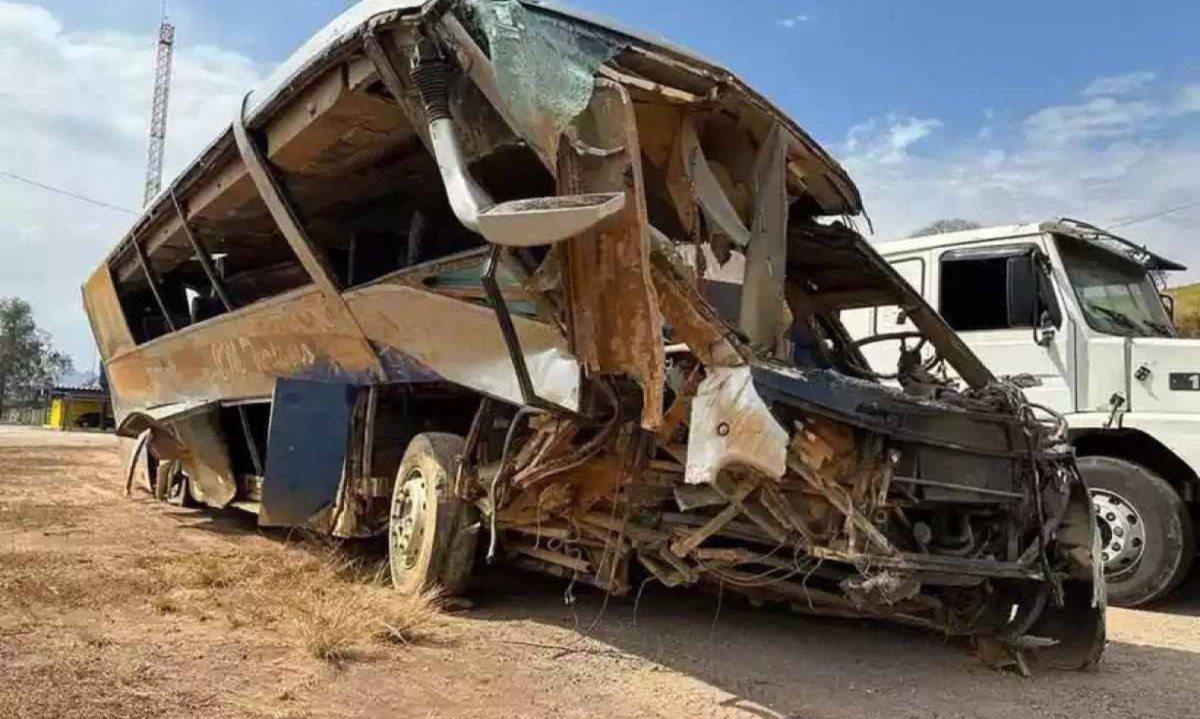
66	193
1155	215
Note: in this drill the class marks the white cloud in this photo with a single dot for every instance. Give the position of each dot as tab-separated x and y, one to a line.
1123	84
1187	100
75	109
1098	118
886	140
1138	112
1100	161
791	21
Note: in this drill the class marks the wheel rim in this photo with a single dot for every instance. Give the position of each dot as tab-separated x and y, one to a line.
1122	532
407	525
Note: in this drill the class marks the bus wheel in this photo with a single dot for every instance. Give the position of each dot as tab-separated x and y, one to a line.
431	532
1146	534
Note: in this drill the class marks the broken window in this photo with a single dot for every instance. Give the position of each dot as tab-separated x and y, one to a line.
163	285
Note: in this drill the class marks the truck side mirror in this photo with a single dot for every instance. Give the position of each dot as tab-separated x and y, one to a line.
1168	303
1031	301
1022	291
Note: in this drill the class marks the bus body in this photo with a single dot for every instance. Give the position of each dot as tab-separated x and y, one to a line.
456	276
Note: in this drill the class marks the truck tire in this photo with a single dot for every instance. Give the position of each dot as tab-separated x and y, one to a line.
1147	533
431	532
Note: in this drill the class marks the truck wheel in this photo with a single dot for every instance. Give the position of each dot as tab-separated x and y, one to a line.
1145	530
431	533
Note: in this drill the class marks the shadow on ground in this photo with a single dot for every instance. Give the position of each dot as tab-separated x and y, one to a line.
773	663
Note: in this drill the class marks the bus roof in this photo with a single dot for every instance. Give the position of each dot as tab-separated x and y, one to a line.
825	176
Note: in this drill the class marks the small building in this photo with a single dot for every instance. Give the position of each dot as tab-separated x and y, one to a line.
72	408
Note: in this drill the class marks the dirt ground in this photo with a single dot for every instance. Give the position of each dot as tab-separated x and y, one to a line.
114	606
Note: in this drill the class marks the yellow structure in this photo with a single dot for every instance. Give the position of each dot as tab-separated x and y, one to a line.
77	408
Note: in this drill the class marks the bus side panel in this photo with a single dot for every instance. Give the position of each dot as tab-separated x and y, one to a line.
104	312
239	355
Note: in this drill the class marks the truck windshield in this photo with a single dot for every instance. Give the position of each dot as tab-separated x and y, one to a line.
1117	295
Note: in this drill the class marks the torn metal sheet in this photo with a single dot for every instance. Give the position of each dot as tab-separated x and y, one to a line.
731	425
689	163
300	334
206	460
105	314
692	320
763	301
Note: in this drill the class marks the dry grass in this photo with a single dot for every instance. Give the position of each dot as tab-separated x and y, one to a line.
312	593
25	514
337	626
342	607
332	607
78	686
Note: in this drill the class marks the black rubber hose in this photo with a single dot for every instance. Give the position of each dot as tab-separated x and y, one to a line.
432	80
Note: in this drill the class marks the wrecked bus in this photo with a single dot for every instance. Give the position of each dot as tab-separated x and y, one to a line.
491	278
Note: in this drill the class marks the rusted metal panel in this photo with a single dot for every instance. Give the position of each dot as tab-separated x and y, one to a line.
104	312
616	325
692	320
237	355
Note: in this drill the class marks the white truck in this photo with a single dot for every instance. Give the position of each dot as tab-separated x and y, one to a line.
1071	312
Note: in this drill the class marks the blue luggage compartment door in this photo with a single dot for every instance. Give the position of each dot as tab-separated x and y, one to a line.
306	449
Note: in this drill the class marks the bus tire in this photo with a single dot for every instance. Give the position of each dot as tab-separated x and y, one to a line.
1147	533
431	532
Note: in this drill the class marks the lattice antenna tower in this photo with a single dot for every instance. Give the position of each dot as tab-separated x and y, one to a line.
158	112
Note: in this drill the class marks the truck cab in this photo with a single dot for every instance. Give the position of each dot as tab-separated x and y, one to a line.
1072	314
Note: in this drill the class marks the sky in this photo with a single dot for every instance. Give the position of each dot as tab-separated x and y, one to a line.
998	112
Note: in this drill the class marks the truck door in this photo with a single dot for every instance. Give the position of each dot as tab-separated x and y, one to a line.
1000	300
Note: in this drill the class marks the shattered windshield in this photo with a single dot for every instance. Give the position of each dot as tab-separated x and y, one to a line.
1117	295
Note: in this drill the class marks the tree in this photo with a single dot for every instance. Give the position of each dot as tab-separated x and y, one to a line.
28	361
950	224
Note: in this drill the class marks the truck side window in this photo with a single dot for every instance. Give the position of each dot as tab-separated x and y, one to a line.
974	294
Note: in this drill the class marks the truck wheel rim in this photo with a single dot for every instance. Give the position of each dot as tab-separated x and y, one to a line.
408	522
1122	532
